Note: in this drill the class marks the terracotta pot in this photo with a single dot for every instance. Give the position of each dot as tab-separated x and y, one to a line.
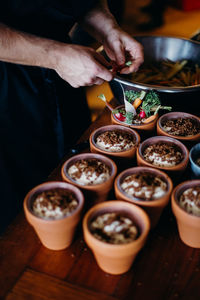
114	258
121	158
174	170
143	127
55	234
175	115
188	224
153	208
97	192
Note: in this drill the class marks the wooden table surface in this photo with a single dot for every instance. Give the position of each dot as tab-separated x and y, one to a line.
164	269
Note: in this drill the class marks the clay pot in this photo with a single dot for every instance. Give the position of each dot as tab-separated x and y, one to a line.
113	258
193	156
175	115
153	208
93	193
143	127
188	224
55	234
122	158
174	170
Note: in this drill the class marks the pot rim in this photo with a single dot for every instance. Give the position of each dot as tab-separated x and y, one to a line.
47	186
165	139
101	157
139	201
181	187
115	203
184	138
97	131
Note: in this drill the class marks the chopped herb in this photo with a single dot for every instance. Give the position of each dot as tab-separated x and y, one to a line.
129	117
132	95
151	100
128	63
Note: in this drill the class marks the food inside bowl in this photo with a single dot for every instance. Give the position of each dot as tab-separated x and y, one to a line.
163	154
190	200
143	107
168	73
114	228
181	126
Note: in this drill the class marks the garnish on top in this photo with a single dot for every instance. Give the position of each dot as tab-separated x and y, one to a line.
146	104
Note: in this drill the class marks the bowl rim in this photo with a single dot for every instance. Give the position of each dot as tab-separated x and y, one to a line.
101	157
183	148
113	127
140	169
48	186
166	115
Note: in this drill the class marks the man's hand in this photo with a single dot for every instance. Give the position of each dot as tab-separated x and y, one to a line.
81	66
120	48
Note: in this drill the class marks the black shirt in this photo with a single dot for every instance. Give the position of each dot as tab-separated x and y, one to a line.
40	114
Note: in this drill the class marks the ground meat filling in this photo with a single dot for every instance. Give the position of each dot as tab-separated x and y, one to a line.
181	127
163	154
113	228
115	140
145	186
54	203
89	171
190	200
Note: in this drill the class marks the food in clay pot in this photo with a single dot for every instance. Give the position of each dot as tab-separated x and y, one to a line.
89	171
113	228
180	125
140	108
146	187
163	154
185	202
54	210
115	141
93	173
54	203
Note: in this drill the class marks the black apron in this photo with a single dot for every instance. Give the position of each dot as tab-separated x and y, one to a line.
40	114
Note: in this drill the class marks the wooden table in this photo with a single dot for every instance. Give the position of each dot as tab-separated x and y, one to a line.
164	269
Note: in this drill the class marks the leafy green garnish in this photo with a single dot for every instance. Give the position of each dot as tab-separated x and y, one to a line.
129	117
131	95
128	63
151	100
102	97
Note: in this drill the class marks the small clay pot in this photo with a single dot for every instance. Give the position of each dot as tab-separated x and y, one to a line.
193	156
94	193
143	127
173	170
115	258
153	208
188	224
175	115
121	158
55	234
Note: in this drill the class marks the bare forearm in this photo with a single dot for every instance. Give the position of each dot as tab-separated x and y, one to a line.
99	22
22	48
